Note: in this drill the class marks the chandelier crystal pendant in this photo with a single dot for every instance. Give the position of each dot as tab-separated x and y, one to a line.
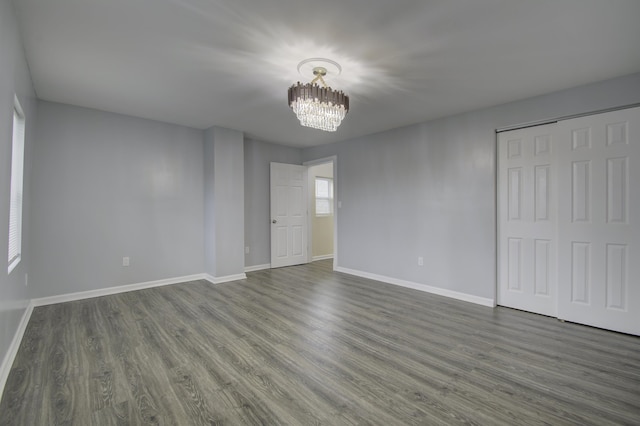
319	107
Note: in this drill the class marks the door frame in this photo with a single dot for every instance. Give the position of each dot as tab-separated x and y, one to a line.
336	206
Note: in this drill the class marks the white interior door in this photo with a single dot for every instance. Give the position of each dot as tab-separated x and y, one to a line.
527	211
599	226
288	215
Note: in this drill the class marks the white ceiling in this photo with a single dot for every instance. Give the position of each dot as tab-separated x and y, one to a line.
228	63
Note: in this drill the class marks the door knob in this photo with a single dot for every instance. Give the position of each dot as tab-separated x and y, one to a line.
274	221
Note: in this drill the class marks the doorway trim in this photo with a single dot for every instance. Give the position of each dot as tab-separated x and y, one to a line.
336	206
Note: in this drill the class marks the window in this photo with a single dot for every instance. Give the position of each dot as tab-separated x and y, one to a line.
15	202
324	196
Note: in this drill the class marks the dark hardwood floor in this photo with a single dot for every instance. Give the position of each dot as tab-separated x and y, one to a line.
304	345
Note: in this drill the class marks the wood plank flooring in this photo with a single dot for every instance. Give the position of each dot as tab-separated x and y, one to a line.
304	346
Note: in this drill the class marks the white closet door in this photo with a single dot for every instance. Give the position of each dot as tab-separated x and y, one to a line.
527	211
599	220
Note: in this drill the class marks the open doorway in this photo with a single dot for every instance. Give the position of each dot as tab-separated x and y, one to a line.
322	209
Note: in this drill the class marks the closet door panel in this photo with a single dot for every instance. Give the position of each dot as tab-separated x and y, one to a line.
599	220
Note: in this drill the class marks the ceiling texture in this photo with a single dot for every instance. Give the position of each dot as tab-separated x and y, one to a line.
229	63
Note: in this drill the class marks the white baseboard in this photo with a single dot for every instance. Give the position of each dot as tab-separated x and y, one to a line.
323	257
422	287
10	356
70	297
225	279
257	267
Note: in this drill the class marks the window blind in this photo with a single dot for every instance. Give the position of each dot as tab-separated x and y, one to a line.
324	196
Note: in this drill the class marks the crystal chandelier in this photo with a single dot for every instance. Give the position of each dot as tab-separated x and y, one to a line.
319	107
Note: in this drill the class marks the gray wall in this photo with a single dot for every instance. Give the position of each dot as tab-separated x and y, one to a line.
224	202
257	157
429	190
14	79
106	186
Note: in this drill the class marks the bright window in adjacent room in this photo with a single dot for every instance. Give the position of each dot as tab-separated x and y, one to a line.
15	203
324	196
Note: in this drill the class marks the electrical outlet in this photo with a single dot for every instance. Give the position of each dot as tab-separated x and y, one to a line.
246	250
420	261
125	261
